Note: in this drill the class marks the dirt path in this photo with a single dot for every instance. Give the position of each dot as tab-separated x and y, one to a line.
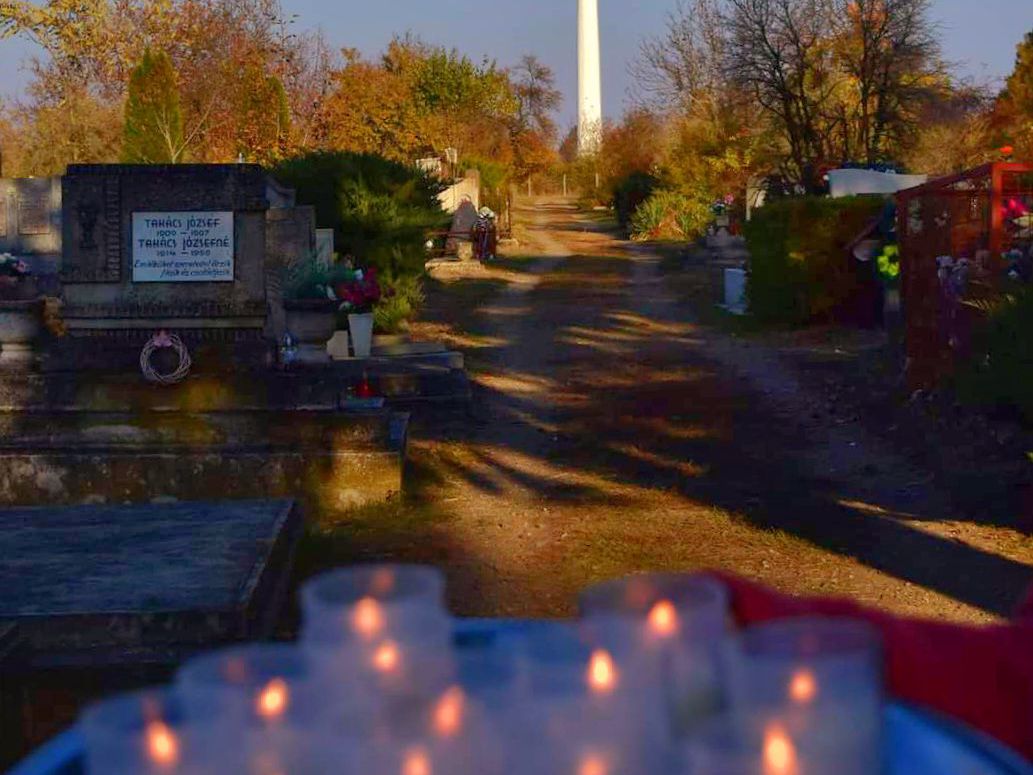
609	433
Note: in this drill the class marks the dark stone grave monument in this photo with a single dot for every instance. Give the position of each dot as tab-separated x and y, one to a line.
106	597
194	252
179	247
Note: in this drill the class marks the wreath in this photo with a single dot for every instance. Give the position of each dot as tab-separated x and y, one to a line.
164	341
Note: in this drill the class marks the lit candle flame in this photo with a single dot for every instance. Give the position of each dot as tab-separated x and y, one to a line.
368	617
448	713
273	699
602	673
663	619
803	687
592	765
416	762
779	753
386	657
162	745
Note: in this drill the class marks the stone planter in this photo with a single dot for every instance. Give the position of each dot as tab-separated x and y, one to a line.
21	325
24	289
361	329
311	322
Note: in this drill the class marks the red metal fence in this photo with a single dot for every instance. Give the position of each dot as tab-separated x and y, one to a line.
954	233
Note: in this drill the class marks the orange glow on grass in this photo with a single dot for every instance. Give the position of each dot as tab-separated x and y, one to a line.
803	687
663	618
273	699
602	672
162	745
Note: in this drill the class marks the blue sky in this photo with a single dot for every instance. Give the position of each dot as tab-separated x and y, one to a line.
979	35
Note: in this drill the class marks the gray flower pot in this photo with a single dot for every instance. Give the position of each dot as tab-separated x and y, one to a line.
311	322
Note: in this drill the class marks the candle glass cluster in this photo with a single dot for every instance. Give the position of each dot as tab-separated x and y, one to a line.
804	690
651	678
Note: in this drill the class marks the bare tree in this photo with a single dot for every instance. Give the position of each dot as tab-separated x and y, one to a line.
781	52
838	80
537	96
685	64
890	52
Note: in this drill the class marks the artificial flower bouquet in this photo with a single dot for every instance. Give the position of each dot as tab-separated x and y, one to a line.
359	294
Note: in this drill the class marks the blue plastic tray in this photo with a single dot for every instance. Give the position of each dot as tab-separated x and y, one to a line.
918	742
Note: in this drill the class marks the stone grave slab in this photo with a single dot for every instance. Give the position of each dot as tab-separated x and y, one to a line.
95	586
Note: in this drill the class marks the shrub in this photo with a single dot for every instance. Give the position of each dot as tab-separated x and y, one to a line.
629	193
380	210
403	299
799	266
309	280
670	215
1001	373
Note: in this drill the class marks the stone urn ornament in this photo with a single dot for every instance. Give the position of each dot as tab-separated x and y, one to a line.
311	321
21	319
16	281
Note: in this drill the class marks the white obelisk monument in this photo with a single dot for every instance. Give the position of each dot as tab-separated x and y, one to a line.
589	76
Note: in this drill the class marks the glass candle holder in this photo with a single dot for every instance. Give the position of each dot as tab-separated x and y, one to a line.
578	693
257	685
790	744
297	751
366	604
825	672
383	679
806	663
677	624
568	737
147	733
432	758
661	608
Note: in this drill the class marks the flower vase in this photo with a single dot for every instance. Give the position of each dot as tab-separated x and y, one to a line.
361	329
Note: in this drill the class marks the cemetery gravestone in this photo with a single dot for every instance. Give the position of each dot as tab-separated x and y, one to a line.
150	247
114	597
30	221
325	246
145	591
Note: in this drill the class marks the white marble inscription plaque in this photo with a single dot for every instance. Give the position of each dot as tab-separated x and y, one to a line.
182	247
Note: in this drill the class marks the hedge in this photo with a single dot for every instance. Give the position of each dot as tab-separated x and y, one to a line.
1000	373
800	270
630	192
380	210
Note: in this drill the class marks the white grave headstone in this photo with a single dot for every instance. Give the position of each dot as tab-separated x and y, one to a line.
735	291
325	247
